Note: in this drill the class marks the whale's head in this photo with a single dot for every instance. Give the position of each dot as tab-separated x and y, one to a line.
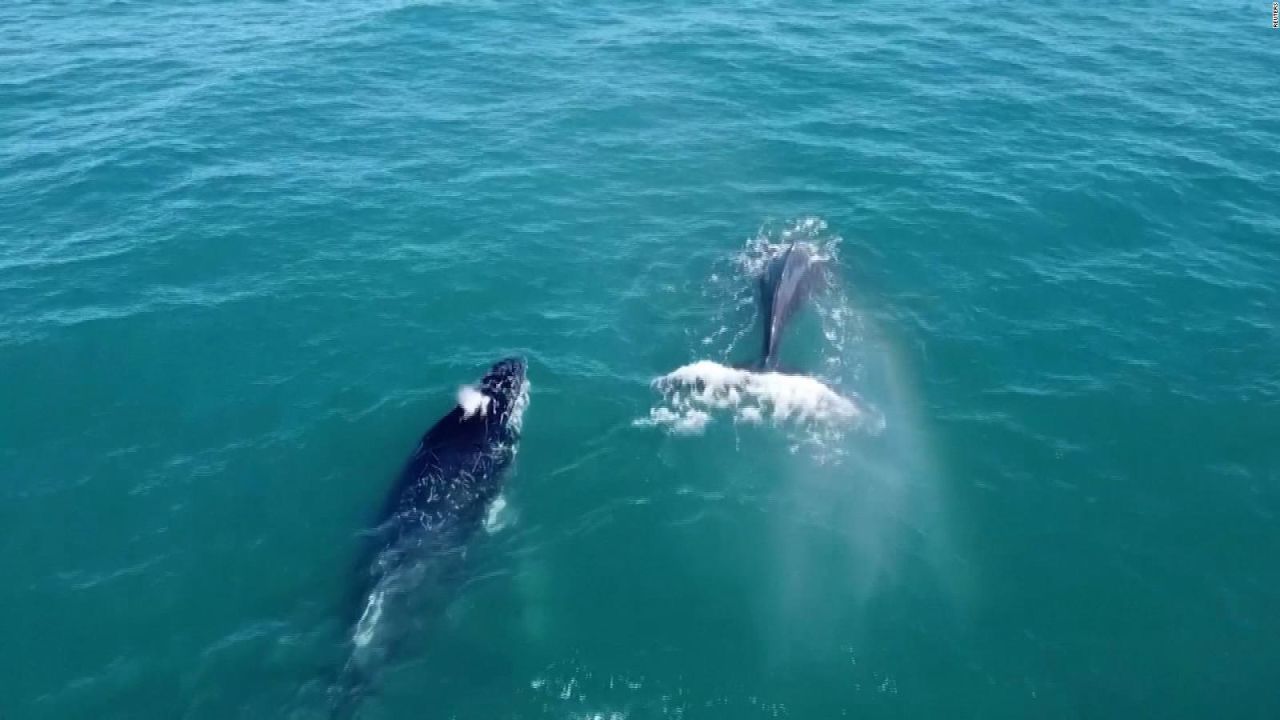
501	395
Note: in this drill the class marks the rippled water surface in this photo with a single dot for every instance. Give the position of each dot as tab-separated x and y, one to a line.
250	250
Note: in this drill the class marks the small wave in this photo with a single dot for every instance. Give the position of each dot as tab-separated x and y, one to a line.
694	392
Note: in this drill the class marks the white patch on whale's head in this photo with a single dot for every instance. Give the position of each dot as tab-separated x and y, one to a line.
472	402
506	388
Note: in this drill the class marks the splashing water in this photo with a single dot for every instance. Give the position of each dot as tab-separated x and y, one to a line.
693	394
700	387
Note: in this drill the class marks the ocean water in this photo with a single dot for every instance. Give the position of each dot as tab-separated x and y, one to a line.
249	251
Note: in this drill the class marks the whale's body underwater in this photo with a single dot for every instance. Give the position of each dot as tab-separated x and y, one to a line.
441	498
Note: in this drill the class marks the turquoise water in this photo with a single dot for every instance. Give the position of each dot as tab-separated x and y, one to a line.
249	251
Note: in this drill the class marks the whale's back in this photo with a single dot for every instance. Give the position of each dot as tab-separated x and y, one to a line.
784	286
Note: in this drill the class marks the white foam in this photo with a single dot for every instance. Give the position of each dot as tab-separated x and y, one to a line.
686	421
773	241
472	401
368	623
516	418
496	518
696	390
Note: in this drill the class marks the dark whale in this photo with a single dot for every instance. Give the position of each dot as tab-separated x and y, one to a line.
787	281
439	501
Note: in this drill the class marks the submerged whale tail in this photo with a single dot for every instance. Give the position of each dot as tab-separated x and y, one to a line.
348	690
